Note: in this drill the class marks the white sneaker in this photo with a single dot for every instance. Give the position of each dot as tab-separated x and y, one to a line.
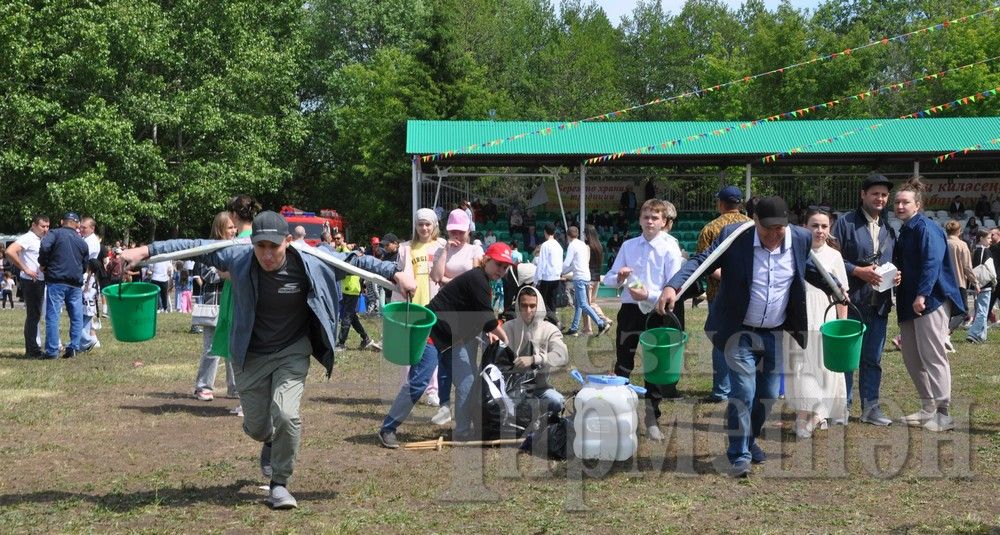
654	433
442	417
940	422
433	400
918	418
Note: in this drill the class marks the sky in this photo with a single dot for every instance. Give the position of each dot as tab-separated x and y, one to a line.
616	8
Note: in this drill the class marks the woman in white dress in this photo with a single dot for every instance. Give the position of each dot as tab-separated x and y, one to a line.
816	393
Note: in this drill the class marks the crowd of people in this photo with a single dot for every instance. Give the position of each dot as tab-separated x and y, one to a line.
768	291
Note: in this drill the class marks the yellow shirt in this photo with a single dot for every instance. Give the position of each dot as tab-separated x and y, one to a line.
708	235
421	260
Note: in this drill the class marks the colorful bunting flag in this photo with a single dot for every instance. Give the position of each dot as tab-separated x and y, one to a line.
746	79
830	104
916	115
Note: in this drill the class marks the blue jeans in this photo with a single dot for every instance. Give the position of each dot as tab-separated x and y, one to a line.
417	380
554	401
720	374
56	294
583	305
459	362
720	371
870	368
753	390
977	331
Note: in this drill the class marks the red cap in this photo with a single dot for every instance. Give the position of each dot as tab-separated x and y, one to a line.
500	252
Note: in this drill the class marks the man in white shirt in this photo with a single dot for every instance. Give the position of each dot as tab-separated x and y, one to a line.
23	253
549	273
299	235
643	265
577	267
87	227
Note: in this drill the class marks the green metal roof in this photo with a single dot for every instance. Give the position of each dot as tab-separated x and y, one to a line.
902	140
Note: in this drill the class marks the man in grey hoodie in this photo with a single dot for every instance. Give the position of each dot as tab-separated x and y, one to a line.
537	343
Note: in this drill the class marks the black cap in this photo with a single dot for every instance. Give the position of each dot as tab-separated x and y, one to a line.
875	180
269	226
771	211
390	238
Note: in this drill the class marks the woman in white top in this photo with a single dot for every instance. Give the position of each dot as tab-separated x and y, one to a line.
815	392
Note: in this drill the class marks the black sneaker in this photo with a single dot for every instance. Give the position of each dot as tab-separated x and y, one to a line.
388	439
571	332
605	329
366	344
70	353
341	347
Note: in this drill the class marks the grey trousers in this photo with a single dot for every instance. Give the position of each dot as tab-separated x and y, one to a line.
209	365
271	387
926	360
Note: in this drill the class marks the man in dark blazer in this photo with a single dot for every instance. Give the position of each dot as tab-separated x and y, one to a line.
866	241
762	293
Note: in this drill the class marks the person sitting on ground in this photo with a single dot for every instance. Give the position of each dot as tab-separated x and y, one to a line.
537	344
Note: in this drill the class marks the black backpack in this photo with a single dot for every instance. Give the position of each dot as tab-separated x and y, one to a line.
506	393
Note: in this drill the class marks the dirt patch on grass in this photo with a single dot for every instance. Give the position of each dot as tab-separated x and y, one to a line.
102	446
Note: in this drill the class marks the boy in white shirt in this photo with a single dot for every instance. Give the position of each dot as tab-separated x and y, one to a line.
549	273
643	264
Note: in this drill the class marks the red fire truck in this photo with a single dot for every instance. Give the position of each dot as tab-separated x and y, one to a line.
313	223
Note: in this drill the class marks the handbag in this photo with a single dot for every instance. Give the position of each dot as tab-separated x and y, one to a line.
204	315
986	273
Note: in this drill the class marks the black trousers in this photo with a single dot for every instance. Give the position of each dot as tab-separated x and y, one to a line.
33	293
164	300
631	323
549	289
349	318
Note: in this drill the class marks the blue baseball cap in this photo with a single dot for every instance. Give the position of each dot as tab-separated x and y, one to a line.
71	216
730	194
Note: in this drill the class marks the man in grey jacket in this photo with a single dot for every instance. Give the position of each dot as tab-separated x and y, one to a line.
284	309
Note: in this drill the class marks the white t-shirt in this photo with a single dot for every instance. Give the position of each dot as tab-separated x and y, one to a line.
30	244
550	261
160	271
93	245
577	260
7	284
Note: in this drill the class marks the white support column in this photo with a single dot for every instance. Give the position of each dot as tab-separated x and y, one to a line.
747	183
583	198
562	209
415	190
916	167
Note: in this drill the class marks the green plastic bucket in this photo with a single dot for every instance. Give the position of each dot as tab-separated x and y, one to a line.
663	355
132	307
405	328
842	344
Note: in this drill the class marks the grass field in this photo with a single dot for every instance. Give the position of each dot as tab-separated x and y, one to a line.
113	441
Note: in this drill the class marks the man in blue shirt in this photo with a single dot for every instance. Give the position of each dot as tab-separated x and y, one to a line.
757	300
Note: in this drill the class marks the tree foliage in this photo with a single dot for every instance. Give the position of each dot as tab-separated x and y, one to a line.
149	114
